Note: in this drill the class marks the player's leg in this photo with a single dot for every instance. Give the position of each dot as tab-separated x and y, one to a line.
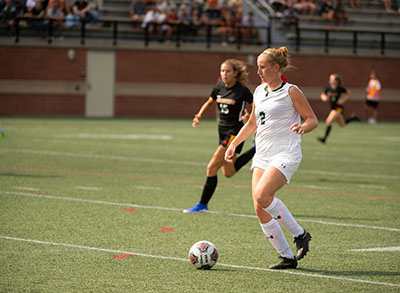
264	185
329	120
216	162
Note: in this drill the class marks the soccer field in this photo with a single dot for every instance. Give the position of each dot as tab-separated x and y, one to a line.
95	205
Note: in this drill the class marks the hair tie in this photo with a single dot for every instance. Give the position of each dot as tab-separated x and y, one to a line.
273	58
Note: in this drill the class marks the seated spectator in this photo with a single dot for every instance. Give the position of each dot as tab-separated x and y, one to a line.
137	10
305	7
249	31
36	15
172	26
279	6
8	14
166	5
226	24
94	10
80	12
340	13
57	15
152	22
213	11
355	4
198	16
29	4
388	5
327	11
289	17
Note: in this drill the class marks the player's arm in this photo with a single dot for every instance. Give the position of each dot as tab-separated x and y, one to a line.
248	129
303	107
207	105
345	99
324	97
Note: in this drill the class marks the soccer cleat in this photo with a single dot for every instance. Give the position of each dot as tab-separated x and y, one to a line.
302	244
198	208
285	263
321	139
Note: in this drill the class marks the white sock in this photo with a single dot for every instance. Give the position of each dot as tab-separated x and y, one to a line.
280	212
275	235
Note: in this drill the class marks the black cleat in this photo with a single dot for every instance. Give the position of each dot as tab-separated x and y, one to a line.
285	263
302	244
321	139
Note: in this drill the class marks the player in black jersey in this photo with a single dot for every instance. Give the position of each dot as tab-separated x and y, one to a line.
337	96
231	96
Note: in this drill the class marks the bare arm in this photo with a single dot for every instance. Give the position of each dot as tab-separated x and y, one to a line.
248	129
345	99
303	107
207	105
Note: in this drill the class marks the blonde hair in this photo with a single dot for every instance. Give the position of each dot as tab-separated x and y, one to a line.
240	68
279	56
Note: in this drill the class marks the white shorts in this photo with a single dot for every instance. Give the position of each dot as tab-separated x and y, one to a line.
286	164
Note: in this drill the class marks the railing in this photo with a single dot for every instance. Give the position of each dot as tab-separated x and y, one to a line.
328	29
146	36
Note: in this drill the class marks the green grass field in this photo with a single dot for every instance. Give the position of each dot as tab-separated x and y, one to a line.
96	206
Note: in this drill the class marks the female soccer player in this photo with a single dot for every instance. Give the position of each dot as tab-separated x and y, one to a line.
276	113
337	95
373	96
231	96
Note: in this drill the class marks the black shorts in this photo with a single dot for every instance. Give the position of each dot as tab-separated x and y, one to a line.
373	104
227	134
338	108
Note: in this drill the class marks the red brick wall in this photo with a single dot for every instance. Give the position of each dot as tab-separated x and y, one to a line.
52	64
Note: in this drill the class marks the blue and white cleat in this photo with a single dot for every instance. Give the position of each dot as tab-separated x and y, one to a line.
198	208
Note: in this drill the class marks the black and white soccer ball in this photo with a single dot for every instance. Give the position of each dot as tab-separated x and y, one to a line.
203	255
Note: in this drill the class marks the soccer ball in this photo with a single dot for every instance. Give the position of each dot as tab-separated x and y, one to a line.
203	255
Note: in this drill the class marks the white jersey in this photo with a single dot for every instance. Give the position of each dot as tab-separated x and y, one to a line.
275	114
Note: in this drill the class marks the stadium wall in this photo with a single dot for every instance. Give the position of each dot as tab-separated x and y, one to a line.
46	81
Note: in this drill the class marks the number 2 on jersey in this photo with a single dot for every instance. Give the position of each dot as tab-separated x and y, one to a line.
262	116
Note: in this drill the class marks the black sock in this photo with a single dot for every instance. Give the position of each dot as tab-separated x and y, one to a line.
352	118
327	130
244	158
208	189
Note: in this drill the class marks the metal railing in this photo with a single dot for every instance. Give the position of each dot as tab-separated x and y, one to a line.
178	32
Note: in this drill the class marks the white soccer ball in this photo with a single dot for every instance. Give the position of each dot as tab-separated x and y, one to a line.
203	255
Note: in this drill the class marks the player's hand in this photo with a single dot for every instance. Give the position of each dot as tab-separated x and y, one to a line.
230	152
196	120
245	117
297	128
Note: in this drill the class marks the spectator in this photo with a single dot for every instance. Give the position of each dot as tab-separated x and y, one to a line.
137	10
340	13
173	22
94	10
279	6
36	15
305	7
29	4
80	12
289	17
388	5
57	15
197	13
166	5
151	22
8	14
61	5
226	24
327	11
186	23
355	4
249	30
213	11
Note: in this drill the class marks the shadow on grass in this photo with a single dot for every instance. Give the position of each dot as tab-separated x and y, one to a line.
350	273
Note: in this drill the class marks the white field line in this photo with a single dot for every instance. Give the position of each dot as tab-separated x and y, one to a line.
88	188
378	249
117	136
181	210
357	161
317	187
372	186
187	260
27	188
189	163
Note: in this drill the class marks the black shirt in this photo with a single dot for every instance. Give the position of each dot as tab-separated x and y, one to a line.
334	95
231	102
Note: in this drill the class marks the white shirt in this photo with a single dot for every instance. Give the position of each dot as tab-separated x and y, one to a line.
275	114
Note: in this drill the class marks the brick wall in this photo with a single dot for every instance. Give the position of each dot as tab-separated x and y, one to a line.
52	65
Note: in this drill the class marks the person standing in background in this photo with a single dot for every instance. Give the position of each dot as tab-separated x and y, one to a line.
373	91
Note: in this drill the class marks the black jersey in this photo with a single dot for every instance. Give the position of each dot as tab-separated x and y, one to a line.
334	95
231	102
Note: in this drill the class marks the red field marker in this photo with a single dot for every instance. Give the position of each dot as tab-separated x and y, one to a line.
122	256
164	229
131	210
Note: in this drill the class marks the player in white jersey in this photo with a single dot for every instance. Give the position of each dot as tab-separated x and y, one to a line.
276	113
